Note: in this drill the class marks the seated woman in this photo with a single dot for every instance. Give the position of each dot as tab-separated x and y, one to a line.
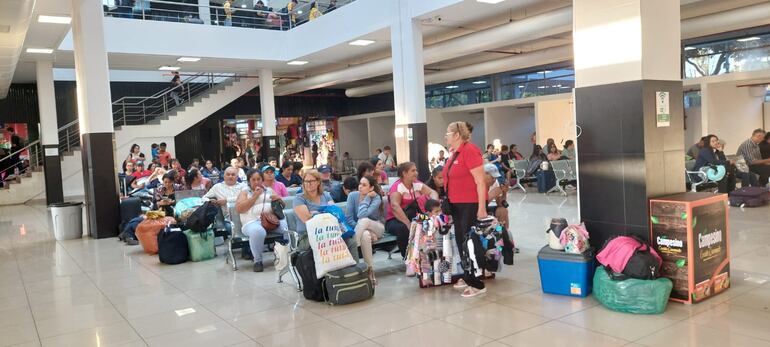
364	169
287	177
269	181
196	181
379	170
553	153
364	210
710	155
251	203
497	195
405	196
309	203
165	196
211	172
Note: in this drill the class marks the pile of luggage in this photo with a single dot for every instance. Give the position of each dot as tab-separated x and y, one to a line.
566	263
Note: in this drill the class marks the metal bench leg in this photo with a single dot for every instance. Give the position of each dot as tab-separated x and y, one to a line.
229	257
518	185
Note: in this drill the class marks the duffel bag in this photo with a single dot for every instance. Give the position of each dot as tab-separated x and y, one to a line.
631	295
312	287
348	285
147	232
749	197
172	246
200	245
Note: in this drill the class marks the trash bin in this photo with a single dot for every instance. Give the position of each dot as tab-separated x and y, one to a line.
67	220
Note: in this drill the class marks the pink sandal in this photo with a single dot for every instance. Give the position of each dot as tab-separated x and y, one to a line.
471	292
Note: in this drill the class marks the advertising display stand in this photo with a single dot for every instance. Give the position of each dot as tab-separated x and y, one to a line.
690	232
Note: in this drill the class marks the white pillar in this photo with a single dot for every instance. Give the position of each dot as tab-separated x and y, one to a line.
204	11
46	100
49	135
408	71
267	102
95	117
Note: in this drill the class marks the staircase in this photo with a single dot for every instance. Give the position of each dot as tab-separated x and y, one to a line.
156	118
19	187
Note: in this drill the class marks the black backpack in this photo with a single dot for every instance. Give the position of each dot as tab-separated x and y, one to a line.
200	220
642	265
312	287
172	246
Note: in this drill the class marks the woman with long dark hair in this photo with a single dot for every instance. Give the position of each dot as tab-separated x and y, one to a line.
710	155
405	196
467	193
365	208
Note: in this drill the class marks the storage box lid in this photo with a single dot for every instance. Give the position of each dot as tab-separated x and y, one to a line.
547	253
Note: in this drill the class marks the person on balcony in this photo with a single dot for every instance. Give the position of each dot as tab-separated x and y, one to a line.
228	13
314	12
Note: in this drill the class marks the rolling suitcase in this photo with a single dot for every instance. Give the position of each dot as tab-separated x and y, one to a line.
749	197
312	287
545	181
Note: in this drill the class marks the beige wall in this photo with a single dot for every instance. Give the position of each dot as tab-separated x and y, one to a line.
554	119
731	113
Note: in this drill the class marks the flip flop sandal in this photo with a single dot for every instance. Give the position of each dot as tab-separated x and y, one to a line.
471	292
460	285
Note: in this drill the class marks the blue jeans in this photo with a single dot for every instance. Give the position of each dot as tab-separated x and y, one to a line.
228	22
257	234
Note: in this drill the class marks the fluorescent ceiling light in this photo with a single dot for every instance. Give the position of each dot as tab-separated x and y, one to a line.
479	82
168	68
54	19
299	12
188	59
491	1
361	43
521	86
541	87
243	6
40	50
689	48
297	62
451	87
747	39
547	71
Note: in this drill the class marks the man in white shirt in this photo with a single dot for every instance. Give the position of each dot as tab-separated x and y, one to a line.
225	193
387	158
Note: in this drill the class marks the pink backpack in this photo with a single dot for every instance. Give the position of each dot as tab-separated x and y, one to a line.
574	239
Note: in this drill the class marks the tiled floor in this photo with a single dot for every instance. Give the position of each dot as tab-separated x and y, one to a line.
101	293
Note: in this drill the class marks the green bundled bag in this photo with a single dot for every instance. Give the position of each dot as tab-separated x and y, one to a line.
631	295
201	245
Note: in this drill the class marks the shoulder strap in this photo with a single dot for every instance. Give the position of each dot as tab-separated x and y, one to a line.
449	167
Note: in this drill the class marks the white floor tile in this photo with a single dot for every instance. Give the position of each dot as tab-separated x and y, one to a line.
558	334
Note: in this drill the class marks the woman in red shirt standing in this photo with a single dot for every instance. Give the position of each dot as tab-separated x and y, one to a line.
465	169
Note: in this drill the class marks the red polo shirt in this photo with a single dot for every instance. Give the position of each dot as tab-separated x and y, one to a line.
458	179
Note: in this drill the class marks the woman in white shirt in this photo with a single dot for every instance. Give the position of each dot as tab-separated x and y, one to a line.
251	203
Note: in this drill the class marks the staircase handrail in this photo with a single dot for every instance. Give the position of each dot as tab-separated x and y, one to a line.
34	157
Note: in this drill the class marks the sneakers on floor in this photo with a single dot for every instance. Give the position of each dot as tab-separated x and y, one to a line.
258	267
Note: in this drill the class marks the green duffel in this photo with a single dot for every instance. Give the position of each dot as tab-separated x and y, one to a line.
631	295
201	245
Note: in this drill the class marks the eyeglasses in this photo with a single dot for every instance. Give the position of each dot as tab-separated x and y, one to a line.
450	134
311	181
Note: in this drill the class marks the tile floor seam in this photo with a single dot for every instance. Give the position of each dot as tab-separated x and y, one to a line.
26	297
595	331
700	325
105	296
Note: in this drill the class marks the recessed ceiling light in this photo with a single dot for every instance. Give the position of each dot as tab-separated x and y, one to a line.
299	12
689	48
521	86
361	43
54	19
243	6
168	68
451	87
747	39
297	62
40	50
542	87
491	1
479	82
188	59
547	71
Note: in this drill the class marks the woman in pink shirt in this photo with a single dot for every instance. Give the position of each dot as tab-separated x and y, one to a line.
269	181
379	170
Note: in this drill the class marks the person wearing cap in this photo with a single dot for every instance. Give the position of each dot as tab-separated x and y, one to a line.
497	194
139	170
326	177
269	181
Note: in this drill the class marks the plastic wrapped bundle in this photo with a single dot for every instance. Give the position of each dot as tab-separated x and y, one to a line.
631	295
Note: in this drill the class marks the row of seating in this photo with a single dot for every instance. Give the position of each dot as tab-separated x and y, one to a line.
564	170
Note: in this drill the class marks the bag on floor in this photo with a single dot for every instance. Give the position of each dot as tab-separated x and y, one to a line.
545	181
348	285
330	252
147	232
749	197
172	246
312	286
186	206
553	234
631	295
630	256
200	245
203	217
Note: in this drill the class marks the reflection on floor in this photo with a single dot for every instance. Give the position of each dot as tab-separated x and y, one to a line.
101	293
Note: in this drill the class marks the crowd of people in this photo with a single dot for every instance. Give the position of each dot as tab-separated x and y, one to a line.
751	165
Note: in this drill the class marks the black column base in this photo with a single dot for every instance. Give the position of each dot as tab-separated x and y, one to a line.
54	192
417	135
100	182
270	148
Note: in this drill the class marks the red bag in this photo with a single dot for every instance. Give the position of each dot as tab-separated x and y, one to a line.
147	232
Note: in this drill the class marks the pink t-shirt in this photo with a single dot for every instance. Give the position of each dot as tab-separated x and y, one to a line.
280	189
407	195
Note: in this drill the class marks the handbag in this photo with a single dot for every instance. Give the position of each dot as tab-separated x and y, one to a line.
446	206
278	206
268	218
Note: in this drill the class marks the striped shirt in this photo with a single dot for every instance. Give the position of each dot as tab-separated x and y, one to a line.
749	151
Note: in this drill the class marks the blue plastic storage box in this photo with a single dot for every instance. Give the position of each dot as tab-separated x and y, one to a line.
564	273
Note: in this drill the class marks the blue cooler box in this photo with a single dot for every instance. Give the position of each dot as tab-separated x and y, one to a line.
565	274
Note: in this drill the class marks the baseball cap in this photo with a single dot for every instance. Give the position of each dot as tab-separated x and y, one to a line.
491	169
265	168
325	169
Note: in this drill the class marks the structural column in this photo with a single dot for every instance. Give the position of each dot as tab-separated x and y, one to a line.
628	103
95	118
270	147
411	130
204	11
49	135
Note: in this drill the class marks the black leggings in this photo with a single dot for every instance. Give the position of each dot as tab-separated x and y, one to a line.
394	227
464	217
